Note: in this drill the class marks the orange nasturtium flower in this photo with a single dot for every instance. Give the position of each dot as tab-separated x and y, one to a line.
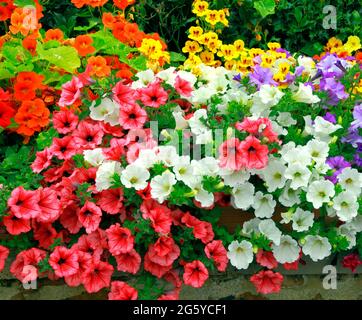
108	20
83	44
98	67
24	20
54	34
123	4
31	117
30	43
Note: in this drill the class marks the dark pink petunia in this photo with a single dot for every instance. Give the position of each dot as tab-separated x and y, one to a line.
123	94
154	95
183	87
88	134
266	259
216	251
97	276
90	216
84	262
69	218
49	205
64	148
42	160
15	225
128	262
65	121
4	253
267	282
132	117
70	92
111	201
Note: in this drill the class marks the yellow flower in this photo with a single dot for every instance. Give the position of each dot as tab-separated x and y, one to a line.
151	48
274	46
353	44
284	68
200	8
254	52
267	60
207	37
195	33
228	52
333	45
230	64
279	77
191	47
192	61
222	17
212	17
239	45
280	55
207	58
214	45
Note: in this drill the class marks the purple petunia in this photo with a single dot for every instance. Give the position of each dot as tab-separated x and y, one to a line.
262	76
357	115
337	164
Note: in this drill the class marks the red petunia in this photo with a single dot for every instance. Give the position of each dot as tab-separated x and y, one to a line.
122	291
154	268
69	218
89	245
132	117
195	274
111	201
351	261
154	95
84	263
65	121
23	203
216	251
4	253
64	261
266	259
120	240
49	205
64	148
90	216
254	154
128	262
42	160
45	233
16	226
267	282
97	276
164	251
202	230
161	220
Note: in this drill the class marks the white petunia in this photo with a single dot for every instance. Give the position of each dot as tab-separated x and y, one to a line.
320	192
183	169
146	158
105	174
94	157
287	251
134	176
243	196
351	180
305	94
240	254
350	234
322	129
202	95
316	247
250	227
285	119
162	186
107	111
181	122
233	178
269	229
264	205
168	75
297	155
207	166
308	64
318	150
289	196
144	79
298	174
270	95
302	220
346	205
273	175
167	155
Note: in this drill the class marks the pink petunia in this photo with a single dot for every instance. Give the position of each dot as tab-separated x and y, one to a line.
153	96
70	92
15	225
132	117
183	87
64	148
42	160
128	262
216	251
88	134
49	205
4	253
254	154
65	121
111	201
266	259
164	251
97	276
124	95
230	157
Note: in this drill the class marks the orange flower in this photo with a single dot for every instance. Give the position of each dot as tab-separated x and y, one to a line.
31	117
108	20
29	43
54	34
83	44
24	20
97	3
24	91
32	78
98	67
123	4
359	57
79	3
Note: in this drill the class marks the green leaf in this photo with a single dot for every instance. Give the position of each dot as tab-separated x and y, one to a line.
177	57
63	57
92	24
45	138
265	7
24	3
